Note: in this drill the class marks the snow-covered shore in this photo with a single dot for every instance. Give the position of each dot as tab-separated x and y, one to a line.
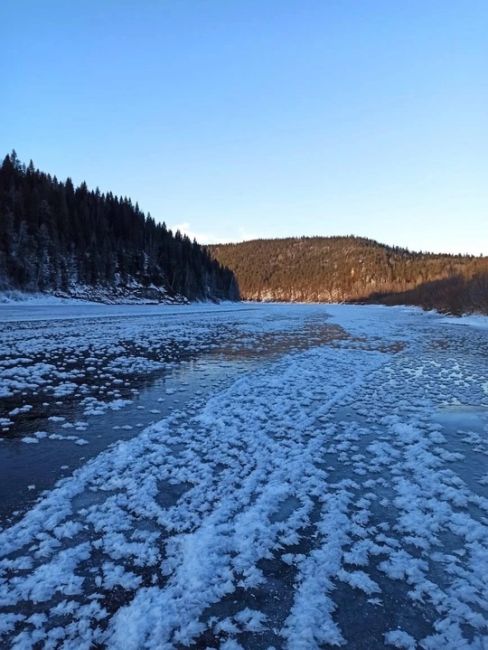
132	295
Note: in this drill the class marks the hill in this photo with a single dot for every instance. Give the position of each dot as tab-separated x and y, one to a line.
350	269
73	241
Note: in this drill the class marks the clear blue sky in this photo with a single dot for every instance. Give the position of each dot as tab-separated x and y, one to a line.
243	118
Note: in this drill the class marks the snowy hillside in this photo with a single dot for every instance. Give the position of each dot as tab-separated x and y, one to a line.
67	241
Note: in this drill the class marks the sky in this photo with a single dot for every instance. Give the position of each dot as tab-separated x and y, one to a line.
238	119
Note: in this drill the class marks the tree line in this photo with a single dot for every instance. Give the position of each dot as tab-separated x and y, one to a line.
355	269
55	237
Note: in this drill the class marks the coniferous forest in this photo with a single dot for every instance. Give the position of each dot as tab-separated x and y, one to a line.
77	242
355	269
74	241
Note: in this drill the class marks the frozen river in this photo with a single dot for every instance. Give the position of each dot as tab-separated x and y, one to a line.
242	476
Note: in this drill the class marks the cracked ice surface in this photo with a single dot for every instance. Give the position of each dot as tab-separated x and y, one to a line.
330	496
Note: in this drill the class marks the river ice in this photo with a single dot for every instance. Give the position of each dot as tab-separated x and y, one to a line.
260	476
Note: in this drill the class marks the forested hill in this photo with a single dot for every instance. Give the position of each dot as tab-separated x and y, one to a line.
337	269
55	237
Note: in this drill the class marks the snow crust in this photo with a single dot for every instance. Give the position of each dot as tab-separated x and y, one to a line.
316	493
474	320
